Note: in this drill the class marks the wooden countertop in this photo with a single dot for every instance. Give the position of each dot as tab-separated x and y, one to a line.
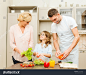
17	66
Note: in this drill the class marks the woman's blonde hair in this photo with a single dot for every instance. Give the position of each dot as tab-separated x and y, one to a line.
48	36
25	16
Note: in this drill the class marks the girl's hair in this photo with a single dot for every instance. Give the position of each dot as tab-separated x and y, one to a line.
48	36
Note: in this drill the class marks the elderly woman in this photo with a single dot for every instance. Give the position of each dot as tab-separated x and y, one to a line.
21	37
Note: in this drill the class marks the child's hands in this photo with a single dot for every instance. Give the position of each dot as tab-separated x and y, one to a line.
42	55
37	55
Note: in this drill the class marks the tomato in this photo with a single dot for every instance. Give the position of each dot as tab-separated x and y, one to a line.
37	56
46	64
21	64
29	65
32	64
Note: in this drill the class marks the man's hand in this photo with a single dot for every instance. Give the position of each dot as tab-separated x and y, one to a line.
66	53
42	55
58	52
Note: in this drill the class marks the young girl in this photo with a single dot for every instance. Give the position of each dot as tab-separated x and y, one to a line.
43	50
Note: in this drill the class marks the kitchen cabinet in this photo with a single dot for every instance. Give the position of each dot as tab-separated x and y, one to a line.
80	17
12	20
66	11
43	13
82	59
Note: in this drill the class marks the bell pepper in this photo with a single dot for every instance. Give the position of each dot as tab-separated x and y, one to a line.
46	64
52	63
60	57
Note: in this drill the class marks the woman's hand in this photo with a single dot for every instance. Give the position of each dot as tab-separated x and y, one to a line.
20	53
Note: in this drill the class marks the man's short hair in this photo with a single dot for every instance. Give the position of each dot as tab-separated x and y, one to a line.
52	12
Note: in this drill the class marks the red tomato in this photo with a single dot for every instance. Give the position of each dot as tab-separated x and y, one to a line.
32	64
37	56
29	65
21	64
46	64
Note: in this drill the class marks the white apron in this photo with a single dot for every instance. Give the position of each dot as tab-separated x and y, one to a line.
66	39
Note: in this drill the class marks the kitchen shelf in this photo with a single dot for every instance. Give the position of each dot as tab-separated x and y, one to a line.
25	8
66	15
82	31
45	20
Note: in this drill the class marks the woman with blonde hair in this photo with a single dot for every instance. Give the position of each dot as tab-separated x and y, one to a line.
21	37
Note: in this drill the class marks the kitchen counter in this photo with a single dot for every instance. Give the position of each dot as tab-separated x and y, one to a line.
17	66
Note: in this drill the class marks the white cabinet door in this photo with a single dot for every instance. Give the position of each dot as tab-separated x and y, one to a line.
12	20
82	59
43	13
34	24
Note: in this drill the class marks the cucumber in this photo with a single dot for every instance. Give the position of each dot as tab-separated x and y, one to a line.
69	62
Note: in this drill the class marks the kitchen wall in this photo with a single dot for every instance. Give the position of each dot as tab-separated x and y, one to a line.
50	3
3	24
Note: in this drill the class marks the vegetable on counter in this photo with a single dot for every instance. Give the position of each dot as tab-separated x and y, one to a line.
52	63
38	61
60	57
46	64
69	62
31	64
28	53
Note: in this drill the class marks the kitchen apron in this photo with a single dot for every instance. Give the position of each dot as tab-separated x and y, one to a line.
66	38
